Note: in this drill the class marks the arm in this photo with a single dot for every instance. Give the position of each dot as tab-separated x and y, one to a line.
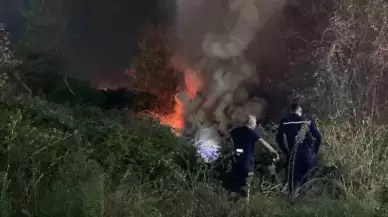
269	147
280	138
260	140
317	136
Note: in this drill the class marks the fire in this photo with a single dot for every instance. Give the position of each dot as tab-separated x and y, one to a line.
192	82
176	118
215	68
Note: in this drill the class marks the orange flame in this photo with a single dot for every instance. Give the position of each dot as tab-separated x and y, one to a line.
192	82
176	118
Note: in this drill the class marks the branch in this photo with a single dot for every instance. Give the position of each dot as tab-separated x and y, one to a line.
12	70
68	86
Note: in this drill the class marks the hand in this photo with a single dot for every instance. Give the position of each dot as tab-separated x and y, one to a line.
277	157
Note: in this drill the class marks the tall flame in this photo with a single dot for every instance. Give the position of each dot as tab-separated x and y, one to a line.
176	118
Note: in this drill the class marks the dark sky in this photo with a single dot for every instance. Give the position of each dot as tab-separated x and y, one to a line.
9	13
103	34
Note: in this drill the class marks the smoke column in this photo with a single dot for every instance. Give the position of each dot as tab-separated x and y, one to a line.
210	41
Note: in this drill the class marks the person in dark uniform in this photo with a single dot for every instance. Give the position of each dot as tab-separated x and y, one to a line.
244	139
299	139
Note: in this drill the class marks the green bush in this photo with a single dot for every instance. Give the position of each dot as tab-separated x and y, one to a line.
47	146
78	160
84	161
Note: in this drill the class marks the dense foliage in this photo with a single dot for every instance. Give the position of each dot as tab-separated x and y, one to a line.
65	161
46	145
65	150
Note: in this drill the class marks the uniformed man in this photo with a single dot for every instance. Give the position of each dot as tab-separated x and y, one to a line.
299	139
244	139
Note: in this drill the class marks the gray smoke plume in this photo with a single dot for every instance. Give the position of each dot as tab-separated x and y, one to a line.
210	43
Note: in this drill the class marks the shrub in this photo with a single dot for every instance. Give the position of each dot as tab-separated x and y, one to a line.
57	160
48	146
359	153
340	67
8	62
61	161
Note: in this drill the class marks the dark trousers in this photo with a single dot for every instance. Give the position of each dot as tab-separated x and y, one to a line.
298	169
241	179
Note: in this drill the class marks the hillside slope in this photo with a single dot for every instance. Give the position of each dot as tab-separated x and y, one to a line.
83	161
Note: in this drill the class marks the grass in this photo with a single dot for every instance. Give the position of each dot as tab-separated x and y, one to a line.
83	161
62	161
359	153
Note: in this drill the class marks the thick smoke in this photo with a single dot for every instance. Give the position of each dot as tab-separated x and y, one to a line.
211	39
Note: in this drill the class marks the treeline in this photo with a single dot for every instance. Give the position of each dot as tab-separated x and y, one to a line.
38	63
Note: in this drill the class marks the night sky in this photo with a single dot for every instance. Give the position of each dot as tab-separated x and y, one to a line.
103	35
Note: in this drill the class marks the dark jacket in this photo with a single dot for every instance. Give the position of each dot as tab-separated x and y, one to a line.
244	140
290	127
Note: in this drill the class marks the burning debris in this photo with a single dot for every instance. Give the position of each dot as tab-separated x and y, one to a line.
216	97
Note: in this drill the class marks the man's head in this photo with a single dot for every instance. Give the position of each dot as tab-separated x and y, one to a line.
251	122
296	108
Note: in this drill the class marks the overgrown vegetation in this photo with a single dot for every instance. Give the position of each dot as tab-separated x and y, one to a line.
342	63
61	155
152	66
62	161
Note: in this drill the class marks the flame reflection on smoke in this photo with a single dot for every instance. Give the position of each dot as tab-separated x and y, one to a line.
192	82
